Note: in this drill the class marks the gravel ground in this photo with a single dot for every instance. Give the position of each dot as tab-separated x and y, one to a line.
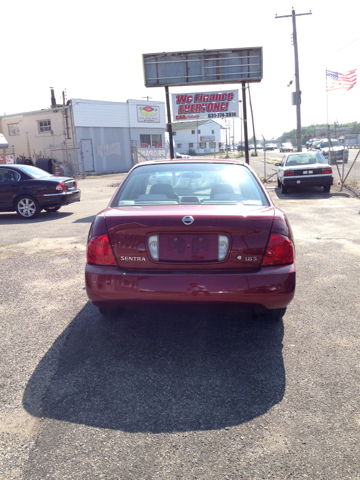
169	394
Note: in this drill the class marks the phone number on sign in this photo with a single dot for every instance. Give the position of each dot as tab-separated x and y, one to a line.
222	115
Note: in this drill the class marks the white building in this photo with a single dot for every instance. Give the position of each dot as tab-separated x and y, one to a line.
89	135
196	137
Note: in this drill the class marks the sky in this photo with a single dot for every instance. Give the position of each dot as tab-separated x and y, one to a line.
94	50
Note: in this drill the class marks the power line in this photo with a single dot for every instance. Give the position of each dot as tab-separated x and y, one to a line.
342	48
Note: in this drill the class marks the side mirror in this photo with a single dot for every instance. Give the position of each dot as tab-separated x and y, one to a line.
277	164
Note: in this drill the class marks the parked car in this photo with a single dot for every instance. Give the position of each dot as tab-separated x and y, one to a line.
332	151
270	146
286	147
201	233
304	168
27	190
182	155
311	141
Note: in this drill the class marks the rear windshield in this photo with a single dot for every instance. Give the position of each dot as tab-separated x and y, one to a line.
308	159
34	172
334	143
191	183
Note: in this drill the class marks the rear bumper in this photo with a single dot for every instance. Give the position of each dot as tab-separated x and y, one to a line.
269	288
320	180
59	199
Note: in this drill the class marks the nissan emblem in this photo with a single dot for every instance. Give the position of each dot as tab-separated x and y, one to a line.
188	220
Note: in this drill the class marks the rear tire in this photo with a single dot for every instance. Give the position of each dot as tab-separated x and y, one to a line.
109	312
27	207
273	316
279	183
284	189
327	188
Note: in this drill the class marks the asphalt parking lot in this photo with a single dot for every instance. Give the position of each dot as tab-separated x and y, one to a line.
166	394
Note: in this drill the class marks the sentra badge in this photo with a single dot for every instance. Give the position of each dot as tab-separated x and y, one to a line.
133	259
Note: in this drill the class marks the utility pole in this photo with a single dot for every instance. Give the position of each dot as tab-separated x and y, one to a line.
297	79
245	123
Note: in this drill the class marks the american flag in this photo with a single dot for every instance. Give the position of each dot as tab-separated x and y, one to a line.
336	80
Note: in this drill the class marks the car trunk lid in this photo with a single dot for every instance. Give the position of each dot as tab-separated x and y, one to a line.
192	246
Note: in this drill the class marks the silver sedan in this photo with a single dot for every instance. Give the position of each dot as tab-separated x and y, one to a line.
307	168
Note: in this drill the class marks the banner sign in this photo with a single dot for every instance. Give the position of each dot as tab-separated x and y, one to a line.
205	105
207	138
148	113
9	159
149	154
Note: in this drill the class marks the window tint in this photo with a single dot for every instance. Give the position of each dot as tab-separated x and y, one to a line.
334	143
308	159
8	176
193	183
35	172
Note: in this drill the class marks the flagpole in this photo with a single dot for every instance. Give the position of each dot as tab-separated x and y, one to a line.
327	104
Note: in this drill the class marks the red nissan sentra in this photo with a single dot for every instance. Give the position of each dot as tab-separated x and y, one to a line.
195	233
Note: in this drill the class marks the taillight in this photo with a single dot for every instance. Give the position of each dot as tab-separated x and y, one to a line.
99	251
280	251
326	170
60	187
76	184
289	174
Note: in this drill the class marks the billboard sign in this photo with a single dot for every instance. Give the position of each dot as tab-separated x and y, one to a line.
148	113
201	67
205	105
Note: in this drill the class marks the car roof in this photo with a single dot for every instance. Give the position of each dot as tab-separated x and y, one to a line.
11	165
193	160
303	153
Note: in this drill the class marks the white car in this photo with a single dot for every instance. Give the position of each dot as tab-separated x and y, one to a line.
286	147
304	169
182	155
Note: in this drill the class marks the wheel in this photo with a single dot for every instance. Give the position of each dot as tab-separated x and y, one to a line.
279	183
273	316
284	189
27	207
326	188
52	209
109	312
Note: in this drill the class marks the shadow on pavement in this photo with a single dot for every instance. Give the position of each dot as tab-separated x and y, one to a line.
160	371
85	219
13	218
313	193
